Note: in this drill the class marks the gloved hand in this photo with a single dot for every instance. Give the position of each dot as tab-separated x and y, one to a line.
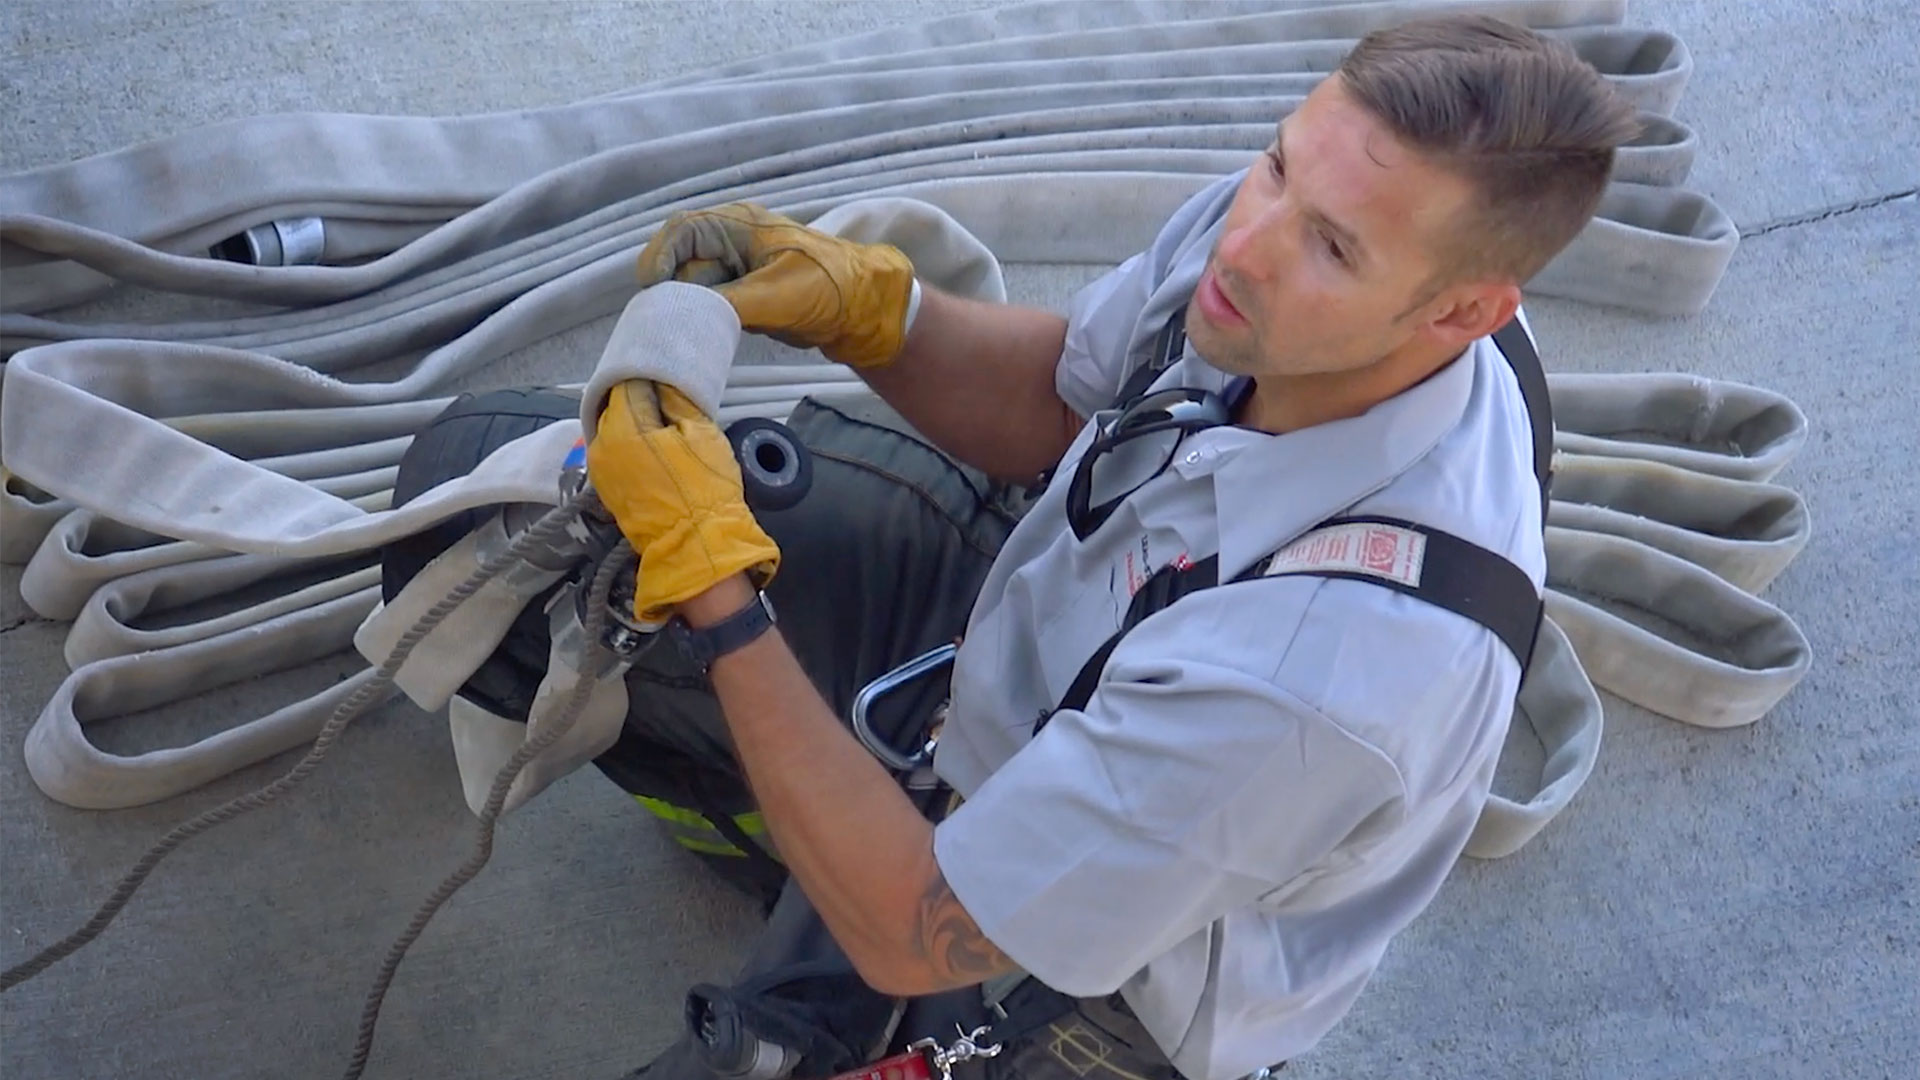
797	285
668	475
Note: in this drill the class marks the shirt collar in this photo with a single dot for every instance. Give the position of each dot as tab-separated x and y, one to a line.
1269	489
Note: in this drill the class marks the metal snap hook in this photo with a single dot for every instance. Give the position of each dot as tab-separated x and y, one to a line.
890	756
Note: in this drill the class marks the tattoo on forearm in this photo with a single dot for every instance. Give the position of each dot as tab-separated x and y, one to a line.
952	941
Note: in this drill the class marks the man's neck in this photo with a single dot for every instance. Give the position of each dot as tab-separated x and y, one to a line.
1283	403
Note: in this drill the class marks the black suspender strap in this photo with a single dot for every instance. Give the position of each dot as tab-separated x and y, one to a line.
1517	347
1160	591
1514	344
1454	574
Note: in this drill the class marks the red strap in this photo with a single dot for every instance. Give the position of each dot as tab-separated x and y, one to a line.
911	1065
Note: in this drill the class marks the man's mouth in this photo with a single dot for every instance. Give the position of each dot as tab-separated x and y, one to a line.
1214	303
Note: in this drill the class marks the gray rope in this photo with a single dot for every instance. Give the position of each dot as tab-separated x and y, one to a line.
594	625
543	531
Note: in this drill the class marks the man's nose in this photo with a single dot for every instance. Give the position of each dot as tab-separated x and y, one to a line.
1257	248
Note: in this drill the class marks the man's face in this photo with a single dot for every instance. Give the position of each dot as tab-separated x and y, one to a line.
1328	251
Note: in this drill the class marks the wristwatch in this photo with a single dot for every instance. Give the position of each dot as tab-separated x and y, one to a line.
704	646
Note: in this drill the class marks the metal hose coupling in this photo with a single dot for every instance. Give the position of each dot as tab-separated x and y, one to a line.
297	241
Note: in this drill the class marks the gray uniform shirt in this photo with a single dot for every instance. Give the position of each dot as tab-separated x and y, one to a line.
1273	777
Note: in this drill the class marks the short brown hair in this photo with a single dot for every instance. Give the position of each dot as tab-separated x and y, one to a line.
1521	117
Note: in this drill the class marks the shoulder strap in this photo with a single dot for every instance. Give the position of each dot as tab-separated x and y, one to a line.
1411	559
1429	564
1168	584
1425	563
1517	347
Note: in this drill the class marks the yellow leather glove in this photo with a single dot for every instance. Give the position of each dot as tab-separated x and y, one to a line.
668	475
797	285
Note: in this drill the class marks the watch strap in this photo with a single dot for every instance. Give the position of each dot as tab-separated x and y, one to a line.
705	645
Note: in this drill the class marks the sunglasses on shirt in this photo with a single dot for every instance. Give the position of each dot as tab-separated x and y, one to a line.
1134	444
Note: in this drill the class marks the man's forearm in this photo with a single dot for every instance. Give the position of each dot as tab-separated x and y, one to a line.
977	379
859	849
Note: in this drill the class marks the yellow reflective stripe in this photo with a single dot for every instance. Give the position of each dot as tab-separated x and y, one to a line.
677	814
709	847
753	823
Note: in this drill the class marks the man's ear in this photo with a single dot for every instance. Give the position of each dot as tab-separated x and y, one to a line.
1470	311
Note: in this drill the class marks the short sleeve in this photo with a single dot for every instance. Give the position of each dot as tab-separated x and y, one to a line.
1182	792
1107	318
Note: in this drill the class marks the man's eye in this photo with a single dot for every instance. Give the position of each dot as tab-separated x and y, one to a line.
1334	249
1275	166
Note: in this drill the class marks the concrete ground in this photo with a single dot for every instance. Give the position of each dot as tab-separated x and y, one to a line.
1727	904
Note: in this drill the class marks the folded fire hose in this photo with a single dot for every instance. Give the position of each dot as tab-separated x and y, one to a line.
239	458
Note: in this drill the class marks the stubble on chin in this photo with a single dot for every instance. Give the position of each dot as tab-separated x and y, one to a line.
1233	353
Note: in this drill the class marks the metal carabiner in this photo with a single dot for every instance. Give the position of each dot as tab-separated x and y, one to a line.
965	1048
863	704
